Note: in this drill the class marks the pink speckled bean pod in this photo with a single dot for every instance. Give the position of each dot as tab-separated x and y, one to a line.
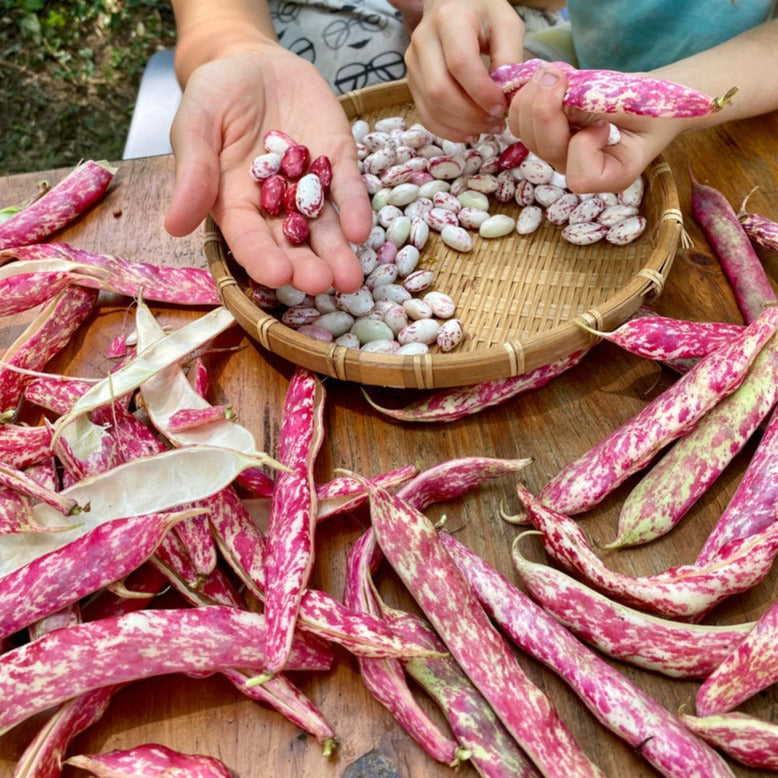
733	248
22	446
621	706
452	404
385	678
608	91
762	230
751	667
583	483
413	548
752	506
62	203
289	551
752	741
192	418
151	760
43	339
87	656
678	592
664	338
667	491
19	293
673	648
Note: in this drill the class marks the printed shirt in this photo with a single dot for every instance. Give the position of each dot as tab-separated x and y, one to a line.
639	35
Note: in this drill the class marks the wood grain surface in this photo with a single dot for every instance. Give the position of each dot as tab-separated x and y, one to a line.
551	426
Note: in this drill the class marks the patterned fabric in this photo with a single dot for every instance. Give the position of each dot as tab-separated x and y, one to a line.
356	44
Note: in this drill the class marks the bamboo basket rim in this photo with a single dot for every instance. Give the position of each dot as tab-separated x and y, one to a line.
511	356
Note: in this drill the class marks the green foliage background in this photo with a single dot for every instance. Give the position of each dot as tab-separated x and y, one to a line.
69	75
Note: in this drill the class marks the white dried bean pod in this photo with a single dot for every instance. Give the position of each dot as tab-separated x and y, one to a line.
624	232
472	199
412	349
525	193
309	195
472	218
290	296
299	315
371	329
418	281
442	304
381	346
429	189
473	161
420	331
377	237
399	231
406	260
390	123
325	302
497	226
613	214
633	194
446	200
450	335
359	128
395	316
485	183
457	238
357	303
374	140
372	183
418	207
336	322
416	137
420	233
545	194
388	213
403	194
368	259
265	165
584	233
529	219
559	211
348	339
417	309
587	210
446	167
394	292
438	218
536	170
386	253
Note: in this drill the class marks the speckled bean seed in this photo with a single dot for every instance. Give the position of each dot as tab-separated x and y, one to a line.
265	165
356	303
584	233
449	334
431	187
290	296
472	218
380	346
385	254
406	260
299	315
442	304
421	331
624	232
399	231
359	128
394	292
587	210
633	194
485	183
418	281
472	199
525	193
325	302
389	123
348	339
316	332
536	170
438	218
418	207
336	322
383	274
387	214
456	237
309	195
371	329
420	232
447	201
545	194
446	167
368	259
412	349
529	219
613	214
381	198
417	309
278	142
559	211
506	187
395	316
377	237
497	226
403	194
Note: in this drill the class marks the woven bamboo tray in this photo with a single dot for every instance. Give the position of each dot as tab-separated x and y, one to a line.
518	297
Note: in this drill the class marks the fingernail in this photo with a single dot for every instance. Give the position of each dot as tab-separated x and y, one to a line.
546	77
472	139
496	111
497	128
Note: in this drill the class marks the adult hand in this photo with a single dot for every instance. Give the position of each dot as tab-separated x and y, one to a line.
576	143
447	75
227	107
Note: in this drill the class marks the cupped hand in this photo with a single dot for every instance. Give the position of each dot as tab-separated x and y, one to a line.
227	107
576	143
447	75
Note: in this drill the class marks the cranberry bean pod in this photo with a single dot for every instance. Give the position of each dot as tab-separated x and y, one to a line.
752	741
733	248
678	592
615	702
24	291
72	661
493	752
22	446
752	506
607	91
750	668
43	339
412	546
191	418
665	494
62	203
289	551
385	678
452	404
673	648
597	472
149	760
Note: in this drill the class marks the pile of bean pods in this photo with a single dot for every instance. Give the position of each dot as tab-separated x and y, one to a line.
73	546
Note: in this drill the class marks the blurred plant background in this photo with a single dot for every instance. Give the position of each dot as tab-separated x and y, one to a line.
69	76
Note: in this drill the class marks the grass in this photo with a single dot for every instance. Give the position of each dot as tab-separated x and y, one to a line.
70	72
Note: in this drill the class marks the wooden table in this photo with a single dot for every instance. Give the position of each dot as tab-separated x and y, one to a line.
551	426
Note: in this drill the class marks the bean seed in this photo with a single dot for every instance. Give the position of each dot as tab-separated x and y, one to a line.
497	226
449	335
380	346
456	237
348	339
309	195
624	232
417	309
290	296
356	303
299	315
545	194
472	218
371	329
413	348
399	231
485	183
536	171
529	219
446	167
559	211
418	281
389	123
403	194
394	292
447	201
336	322
418	207
441	303
584	233
438	218
616	213
265	165
470	198
633	194
360	128
395	316
431	187
368	259
387	214
406	260
421	331
525	193
316	332
420	232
